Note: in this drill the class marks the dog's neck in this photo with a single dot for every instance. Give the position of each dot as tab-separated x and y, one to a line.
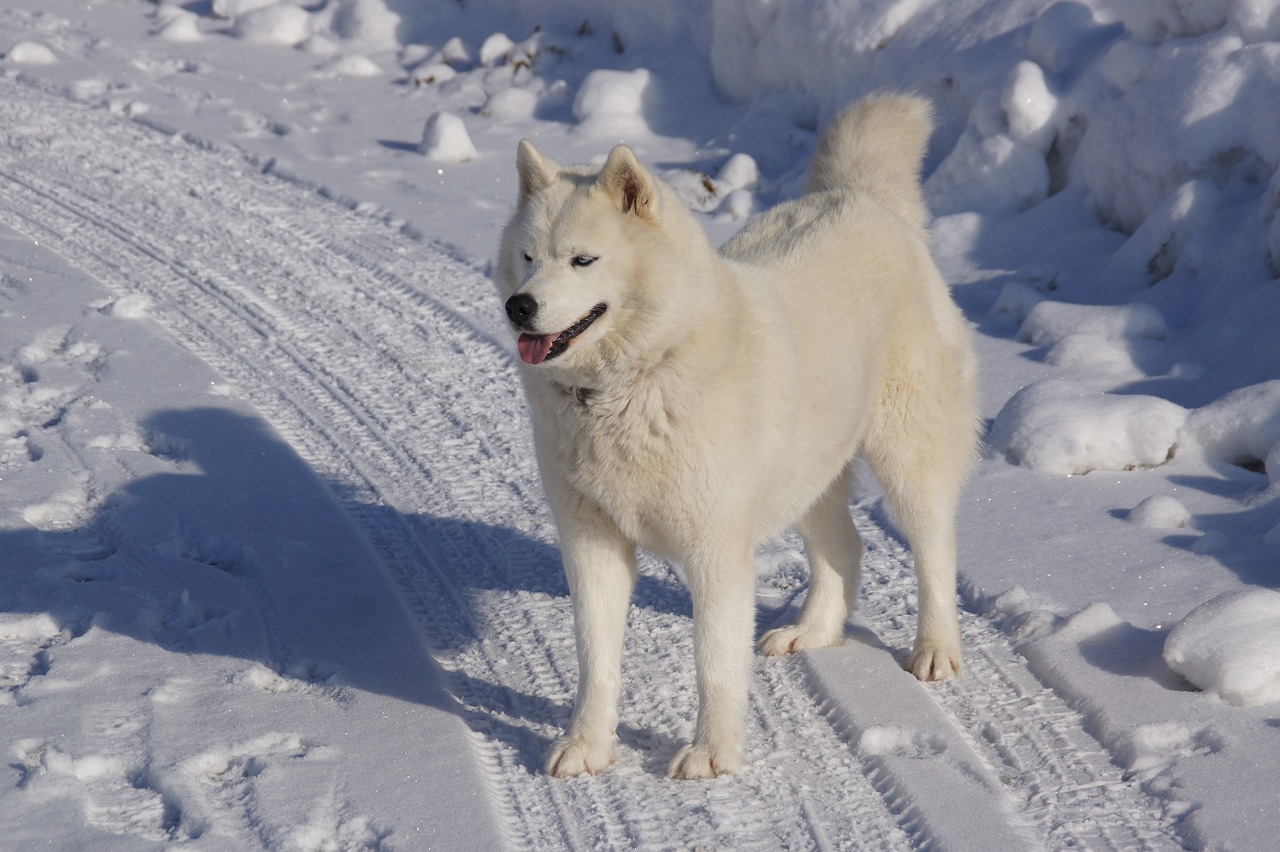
581	395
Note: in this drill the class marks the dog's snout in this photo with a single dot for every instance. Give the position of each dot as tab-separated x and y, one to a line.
521	307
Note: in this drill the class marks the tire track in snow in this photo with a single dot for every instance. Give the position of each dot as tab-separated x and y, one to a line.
409	410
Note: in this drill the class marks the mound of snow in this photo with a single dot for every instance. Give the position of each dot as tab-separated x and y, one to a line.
1049	322
31	53
1228	647
495	49
610	98
1160	512
431	72
513	104
739	172
287	25
366	25
1056	426
1242	426
1029	107
988	174
445	138
178	27
231	9
351	65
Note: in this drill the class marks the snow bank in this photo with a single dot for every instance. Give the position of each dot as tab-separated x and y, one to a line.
1056	426
1228	647
1242	427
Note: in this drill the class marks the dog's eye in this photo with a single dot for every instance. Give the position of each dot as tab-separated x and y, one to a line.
584	260
528	258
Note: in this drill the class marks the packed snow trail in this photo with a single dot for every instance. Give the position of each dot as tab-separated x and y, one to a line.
369	352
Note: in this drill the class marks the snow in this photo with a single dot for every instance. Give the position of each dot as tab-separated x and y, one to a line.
1227	646
445	139
1055	426
612	101
275	570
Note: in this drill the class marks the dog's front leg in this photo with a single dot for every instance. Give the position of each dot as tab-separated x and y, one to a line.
723	626
600	564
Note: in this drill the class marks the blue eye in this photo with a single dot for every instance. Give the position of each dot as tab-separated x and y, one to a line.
584	260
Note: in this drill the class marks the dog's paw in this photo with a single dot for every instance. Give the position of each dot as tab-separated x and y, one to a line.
797	637
573	755
936	661
703	761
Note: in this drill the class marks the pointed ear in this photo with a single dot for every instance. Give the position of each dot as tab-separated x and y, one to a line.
536	171
629	184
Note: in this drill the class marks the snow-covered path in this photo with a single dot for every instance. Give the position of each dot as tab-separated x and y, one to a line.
367	350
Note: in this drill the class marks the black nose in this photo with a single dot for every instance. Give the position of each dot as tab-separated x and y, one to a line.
521	307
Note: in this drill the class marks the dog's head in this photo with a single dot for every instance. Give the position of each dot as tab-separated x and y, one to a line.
579	258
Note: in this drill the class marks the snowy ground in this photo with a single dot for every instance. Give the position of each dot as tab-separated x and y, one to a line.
275	570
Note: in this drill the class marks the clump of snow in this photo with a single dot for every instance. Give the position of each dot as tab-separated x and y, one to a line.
430	73
455	52
611	100
365	25
1056	426
737	205
1160	512
350	65
1241	427
445	138
231	9
1153	748
495	49
130	306
988	174
511	104
177	25
1049	322
1058	34
739	172
1029	107
1227	646
286	25
893	740
31	53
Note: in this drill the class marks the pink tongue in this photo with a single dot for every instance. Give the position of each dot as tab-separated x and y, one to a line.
534	347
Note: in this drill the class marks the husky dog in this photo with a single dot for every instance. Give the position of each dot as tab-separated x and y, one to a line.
695	403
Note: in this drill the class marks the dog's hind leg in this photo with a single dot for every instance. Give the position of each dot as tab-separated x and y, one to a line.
600	564
835	555
920	447
723	589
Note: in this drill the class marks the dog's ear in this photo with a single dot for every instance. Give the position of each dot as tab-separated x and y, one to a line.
536	171
629	184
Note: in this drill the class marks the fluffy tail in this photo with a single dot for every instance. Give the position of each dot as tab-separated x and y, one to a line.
877	146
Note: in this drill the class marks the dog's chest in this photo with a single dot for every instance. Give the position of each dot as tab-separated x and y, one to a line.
632	456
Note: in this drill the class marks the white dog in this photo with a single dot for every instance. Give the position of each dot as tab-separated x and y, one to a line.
695	403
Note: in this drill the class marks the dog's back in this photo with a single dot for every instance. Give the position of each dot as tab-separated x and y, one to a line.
877	147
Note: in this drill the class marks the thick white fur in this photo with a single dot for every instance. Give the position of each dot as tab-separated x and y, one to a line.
724	396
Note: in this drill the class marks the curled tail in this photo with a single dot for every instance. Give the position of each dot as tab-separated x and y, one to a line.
877	146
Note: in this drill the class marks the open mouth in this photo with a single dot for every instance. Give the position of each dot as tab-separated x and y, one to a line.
536	348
